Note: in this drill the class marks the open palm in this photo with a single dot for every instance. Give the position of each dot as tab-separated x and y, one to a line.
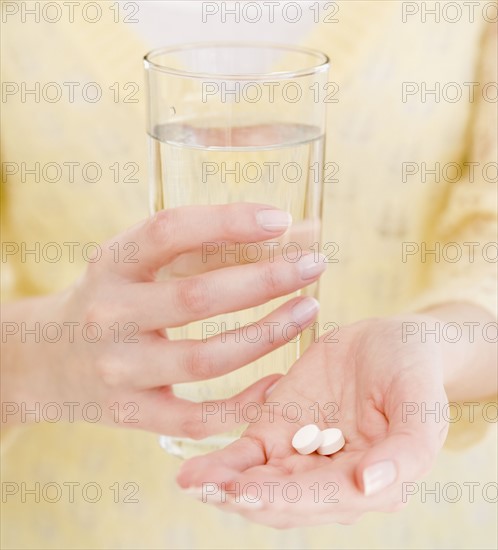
364	380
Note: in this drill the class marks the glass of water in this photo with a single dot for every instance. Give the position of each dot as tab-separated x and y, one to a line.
236	122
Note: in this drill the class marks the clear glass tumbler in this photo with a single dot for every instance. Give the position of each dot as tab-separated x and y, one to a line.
230	122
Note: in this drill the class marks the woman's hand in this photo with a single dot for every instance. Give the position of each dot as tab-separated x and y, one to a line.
364	380
125	310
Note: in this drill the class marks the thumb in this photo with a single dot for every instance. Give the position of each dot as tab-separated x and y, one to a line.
416	433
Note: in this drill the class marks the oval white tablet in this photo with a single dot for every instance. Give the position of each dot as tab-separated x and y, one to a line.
333	441
307	439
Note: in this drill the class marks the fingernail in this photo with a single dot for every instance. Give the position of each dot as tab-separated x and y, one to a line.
305	310
214	498
270	389
310	267
273	220
246	504
378	477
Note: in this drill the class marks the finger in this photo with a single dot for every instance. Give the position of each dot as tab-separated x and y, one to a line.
155	242
268	438
176	303
413	440
175	361
270	494
301	236
223	465
162	412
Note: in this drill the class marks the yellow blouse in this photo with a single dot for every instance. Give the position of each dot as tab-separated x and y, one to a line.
385	201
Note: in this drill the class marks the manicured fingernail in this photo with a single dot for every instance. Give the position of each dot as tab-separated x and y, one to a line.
305	310
270	389
310	267
214	498
273	220
378	476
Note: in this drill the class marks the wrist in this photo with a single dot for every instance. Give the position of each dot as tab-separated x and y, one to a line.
469	356
25	354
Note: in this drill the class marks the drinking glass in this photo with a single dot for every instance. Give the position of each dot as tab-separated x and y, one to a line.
237	122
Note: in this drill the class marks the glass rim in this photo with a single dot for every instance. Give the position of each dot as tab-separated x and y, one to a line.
322	65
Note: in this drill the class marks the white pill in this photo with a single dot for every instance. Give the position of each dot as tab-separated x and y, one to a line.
307	439
333	441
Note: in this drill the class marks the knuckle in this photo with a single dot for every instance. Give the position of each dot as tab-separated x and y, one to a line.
270	280
111	372
193	427
199	363
102	314
229	218
161	228
95	314
192	295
